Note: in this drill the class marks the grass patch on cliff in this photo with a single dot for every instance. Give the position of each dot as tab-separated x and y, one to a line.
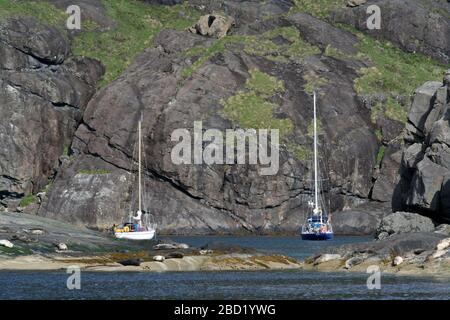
300	152
43	11
262	45
264	84
395	73
27	200
380	155
313	82
251	109
317	8
93	171
138	24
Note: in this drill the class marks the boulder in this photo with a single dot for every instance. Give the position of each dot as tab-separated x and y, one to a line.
426	185
62	246
402	244
443	229
131	262
213	25
170	246
357	221
397	261
412	156
159	258
439	253
27	35
23	238
423	103
350	263
355	3
404	222
6	243
327	257
444	244
174	255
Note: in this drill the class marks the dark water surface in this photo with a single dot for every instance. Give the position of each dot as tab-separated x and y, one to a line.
225	285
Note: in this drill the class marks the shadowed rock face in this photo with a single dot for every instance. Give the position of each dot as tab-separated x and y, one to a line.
425	165
218	198
414	25
42	96
45	95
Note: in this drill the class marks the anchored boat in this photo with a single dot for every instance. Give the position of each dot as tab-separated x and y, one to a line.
318	223
140	225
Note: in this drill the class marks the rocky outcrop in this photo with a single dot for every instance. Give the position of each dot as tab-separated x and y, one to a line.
414	25
200	198
409	254
403	222
361	220
425	175
43	92
213	25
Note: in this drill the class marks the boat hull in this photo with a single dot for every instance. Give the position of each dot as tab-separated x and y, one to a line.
317	236
138	235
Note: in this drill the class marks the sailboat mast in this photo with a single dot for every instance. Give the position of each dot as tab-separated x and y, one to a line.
316	191
140	167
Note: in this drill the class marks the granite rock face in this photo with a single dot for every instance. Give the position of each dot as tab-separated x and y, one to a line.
414	25
403	222
425	164
49	105
43	93
217	198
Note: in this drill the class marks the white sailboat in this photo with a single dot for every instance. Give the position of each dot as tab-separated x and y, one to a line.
318	224
139	226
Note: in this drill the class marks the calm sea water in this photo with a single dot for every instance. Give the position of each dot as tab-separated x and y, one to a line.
225	285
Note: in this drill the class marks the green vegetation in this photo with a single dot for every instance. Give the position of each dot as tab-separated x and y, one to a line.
395	72
41	10
93	171
313	82
203	54
317	8
380	155
319	128
66	150
264	84
27	200
300	152
261	45
379	134
251	109
138	24
331	51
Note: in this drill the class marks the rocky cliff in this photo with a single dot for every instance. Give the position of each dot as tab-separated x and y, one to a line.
43	93
425	175
260	75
